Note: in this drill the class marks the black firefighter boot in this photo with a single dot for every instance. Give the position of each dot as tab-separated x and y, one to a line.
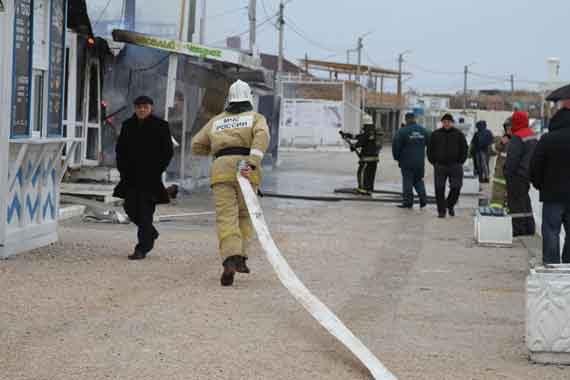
232	265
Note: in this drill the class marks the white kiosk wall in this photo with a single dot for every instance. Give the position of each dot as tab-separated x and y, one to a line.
6	14
31	140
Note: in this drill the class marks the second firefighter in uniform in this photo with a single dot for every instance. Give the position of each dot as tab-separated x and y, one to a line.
367	145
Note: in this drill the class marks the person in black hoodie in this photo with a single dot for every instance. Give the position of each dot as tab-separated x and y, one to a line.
144	151
447	151
551	176
517	174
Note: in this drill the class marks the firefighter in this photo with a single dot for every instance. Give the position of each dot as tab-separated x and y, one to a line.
367	146
237	134
499	186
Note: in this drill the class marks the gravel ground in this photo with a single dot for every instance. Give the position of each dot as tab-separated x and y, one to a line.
414	288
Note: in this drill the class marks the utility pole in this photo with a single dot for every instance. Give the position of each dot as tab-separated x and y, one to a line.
400	90
513	90
359	47
281	23
400	68
191	21
203	23
466	73
252	25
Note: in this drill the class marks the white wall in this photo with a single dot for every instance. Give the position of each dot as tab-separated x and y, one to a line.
310	123
6	25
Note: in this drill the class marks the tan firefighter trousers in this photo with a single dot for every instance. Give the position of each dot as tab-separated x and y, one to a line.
234	226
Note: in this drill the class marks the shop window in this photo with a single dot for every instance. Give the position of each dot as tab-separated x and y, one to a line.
38	102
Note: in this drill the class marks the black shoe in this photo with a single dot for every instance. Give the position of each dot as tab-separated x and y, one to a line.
405	206
423	205
451	212
137	255
441	215
241	265
230	268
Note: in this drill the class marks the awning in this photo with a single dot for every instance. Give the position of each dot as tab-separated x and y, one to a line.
224	56
349	68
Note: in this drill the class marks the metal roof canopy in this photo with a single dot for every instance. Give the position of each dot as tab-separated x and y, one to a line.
349	68
224	56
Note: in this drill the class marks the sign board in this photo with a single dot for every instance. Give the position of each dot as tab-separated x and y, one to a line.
186	48
21	88
56	68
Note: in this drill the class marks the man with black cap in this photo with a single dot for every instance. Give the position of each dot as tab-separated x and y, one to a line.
409	149
144	151
447	151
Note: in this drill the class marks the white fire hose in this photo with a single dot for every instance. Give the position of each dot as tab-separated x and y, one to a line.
312	304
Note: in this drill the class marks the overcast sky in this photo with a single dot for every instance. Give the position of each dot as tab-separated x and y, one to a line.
500	37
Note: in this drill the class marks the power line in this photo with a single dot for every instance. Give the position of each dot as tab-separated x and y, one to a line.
229	11
102	13
295	30
259	25
375	63
436	72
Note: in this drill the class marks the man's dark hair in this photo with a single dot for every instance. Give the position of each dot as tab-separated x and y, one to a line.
410	117
143	100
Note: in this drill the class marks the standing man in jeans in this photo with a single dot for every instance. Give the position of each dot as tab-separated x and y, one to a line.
550	173
144	150
447	151
409	149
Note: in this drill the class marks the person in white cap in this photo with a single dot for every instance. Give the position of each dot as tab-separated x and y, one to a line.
237	134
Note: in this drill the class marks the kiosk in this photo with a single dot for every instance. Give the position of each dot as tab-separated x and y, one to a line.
34	153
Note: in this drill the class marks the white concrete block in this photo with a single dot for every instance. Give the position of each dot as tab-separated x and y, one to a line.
470	186
548	314
70	211
493	230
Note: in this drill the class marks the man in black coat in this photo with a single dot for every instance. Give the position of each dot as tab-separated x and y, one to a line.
144	151
550	174
447	152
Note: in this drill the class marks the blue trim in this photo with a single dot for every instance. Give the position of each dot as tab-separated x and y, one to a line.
32	209
62	100
31	72
36	175
20	176
49	203
15	206
14	84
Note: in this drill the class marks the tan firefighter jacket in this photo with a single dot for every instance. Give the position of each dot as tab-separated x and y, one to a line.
243	130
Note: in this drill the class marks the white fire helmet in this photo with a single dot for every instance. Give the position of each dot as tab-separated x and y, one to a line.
239	92
367	119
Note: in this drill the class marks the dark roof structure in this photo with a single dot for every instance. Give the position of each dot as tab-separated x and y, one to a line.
78	18
269	62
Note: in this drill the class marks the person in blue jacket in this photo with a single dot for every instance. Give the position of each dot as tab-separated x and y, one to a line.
409	149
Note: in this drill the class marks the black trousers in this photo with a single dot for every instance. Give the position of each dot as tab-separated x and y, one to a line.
520	206
140	207
454	174
367	175
413	179
482	159
554	216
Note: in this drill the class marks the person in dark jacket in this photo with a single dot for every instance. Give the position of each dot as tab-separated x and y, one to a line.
517	174
409	149
447	151
550	174
144	151
480	150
